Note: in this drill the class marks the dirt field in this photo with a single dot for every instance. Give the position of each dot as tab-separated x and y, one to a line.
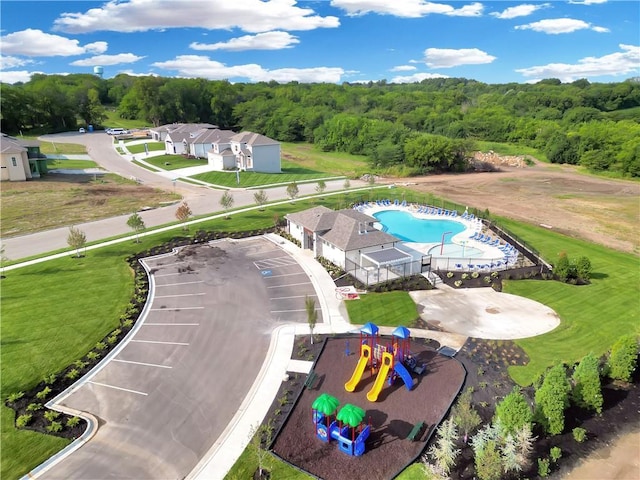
592	208
58	200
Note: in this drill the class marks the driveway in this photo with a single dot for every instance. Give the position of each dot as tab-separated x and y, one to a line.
484	313
166	397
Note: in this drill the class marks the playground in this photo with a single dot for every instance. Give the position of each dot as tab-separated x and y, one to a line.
400	390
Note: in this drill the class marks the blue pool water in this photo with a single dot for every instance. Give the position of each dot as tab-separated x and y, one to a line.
411	229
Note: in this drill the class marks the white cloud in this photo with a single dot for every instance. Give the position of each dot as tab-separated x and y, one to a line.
403	68
107	60
416	77
15	76
142	15
619	63
519	10
448	57
203	67
554	26
587	2
261	41
406	8
36	43
12	62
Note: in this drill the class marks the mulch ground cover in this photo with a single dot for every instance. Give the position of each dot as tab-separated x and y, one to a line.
392	417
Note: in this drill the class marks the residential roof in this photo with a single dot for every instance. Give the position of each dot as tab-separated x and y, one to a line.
14	145
388	256
251	138
214	135
189	127
177	137
347	229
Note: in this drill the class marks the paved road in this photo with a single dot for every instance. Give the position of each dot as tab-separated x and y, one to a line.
166	397
202	200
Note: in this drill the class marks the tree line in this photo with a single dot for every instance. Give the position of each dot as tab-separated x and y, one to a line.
415	128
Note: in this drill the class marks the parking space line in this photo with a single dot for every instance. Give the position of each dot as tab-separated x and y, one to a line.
285	275
141	363
290	285
171	309
171	324
180	295
299	310
180	283
167	274
117	388
160	343
295	296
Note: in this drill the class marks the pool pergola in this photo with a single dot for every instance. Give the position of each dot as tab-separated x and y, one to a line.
387	257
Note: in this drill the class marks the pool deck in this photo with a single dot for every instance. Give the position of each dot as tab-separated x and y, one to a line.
494	254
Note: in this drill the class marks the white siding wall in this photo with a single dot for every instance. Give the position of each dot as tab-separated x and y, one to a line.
333	253
20	172
266	158
200	150
296	231
221	162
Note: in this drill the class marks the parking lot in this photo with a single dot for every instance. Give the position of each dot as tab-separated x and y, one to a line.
165	397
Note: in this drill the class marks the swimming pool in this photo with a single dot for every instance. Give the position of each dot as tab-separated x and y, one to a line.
408	228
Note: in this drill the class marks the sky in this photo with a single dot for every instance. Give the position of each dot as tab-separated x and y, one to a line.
332	41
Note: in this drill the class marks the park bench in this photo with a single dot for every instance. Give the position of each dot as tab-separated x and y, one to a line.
416	430
311	378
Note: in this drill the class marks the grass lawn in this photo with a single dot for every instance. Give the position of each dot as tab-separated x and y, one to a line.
247	464
50	148
336	163
114	121
175	162
55	163
291	172
593	316
146	167
388	309
511	149
139	148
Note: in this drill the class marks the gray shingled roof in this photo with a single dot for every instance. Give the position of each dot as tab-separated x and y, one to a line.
14	145
251	138
347	229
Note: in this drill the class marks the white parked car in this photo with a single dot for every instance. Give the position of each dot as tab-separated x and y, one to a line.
82	130
117	131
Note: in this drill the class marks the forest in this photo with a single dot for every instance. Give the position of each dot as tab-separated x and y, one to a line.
410	129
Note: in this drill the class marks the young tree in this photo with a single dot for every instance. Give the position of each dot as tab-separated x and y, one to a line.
513	412
183	213
136	224
443	451
293	191
552	398
487	459
562	268
226	202
623	358
321	186
76	239
260	438
587	389
583	268
465	416
260	197
312	314
524	441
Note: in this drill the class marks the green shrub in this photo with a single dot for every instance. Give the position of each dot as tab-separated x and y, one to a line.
555	453
552	398
623	358
579	434
101	346
487	279
465	276
33	407
458	283
73	421
42	394
79	364
14	397
72	374
449	274
475	275
112	339
93	355
23	420
51	415
543	467
127	323
488	462
513	412
54	427
50	379
562	267
583	268
587	390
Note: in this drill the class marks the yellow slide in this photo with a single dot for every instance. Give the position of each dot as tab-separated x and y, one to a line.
387	360
351	385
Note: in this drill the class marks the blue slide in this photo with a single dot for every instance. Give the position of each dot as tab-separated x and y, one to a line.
404	374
